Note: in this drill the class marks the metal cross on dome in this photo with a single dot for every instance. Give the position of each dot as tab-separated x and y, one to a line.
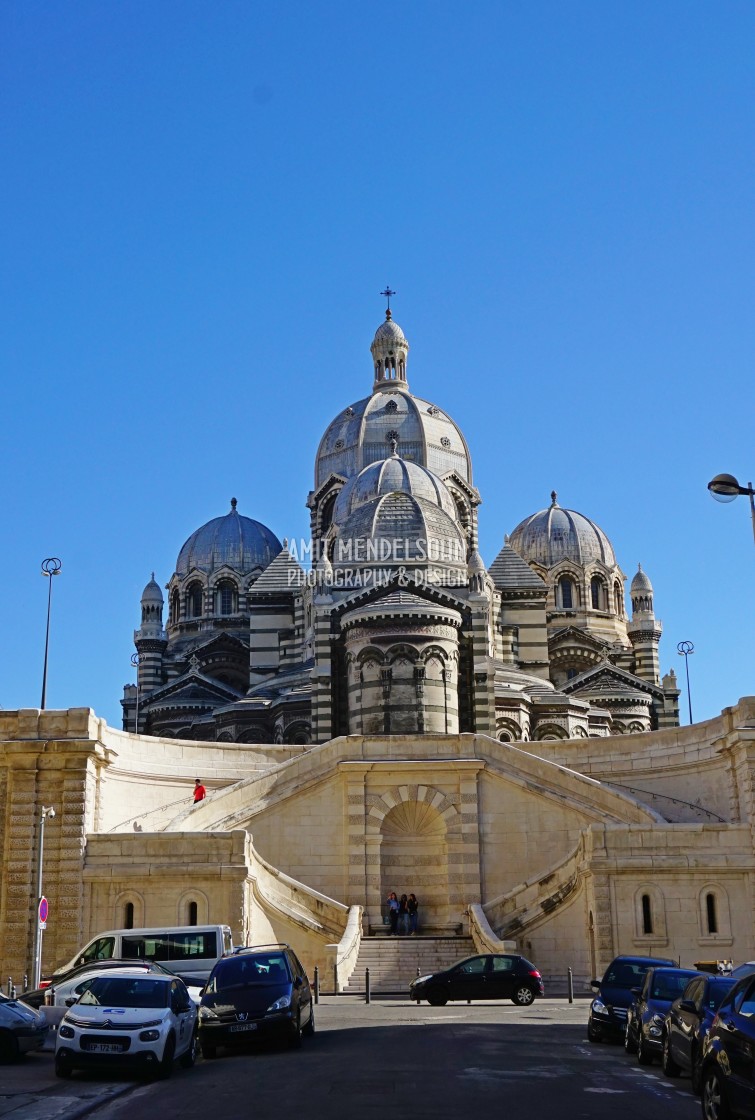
388	293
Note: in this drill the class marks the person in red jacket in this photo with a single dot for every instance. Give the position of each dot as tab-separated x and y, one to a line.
199	791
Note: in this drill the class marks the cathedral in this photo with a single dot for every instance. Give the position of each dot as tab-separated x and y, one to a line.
388	620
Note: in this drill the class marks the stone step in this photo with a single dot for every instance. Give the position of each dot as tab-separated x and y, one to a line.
395	961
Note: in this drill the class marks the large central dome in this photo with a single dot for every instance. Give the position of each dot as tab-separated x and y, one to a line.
362	433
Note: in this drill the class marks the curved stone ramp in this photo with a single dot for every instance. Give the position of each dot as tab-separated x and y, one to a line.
238	804
512	913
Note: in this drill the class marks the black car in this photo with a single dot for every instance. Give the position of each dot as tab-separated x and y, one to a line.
258	992
687	1023
608	1011
490	976
647	1012
728	1075
22	1028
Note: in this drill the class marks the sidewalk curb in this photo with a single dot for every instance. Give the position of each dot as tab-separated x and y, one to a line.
98	1102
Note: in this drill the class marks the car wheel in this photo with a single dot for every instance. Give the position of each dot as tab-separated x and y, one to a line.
165	1068
629	1043
696	1071
523	996
62	1068
715	1104
296	1032
8	1047
643	1057
187	1060
209	1052
592	1034
310	1027
436	997
668	1065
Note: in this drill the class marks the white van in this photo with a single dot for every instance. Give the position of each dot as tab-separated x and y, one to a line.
190	951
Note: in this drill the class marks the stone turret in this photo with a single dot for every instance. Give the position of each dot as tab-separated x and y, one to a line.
645	629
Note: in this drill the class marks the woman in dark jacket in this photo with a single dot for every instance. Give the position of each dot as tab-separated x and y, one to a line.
393	911
412	908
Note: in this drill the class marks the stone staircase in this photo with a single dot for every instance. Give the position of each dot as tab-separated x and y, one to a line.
393	961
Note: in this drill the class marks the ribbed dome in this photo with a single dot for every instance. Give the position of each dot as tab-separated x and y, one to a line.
392	475
640	584
389	333
557	534
232	541
152	592
399	529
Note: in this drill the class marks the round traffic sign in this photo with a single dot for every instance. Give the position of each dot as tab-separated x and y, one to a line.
44	909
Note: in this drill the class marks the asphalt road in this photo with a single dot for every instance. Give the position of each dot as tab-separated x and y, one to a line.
422	1062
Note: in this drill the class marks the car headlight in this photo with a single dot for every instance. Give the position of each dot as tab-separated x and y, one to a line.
206	1013
149	1036
66	1032
656	1020
421	979
151	1023
280	1004
599	1006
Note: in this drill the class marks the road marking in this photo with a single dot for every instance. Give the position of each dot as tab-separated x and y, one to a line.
605	1090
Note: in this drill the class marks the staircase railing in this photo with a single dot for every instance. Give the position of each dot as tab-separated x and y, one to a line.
342	957
484	936
526	903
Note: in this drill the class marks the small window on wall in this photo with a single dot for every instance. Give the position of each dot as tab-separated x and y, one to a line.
191	914
596	593
711	916
647	914
225	598
567	594
128	916
195	601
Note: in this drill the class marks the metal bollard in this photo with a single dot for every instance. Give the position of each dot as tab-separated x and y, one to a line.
317	984
366	985
570	984
13	992
26	982
335	979
419	972
10	985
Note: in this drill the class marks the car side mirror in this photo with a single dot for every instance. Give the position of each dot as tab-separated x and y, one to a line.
688	1005
636	991
595	983
70	1001
202	991
298	982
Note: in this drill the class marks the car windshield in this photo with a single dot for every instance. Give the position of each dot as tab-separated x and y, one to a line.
668	985
126	991
263	968
626	974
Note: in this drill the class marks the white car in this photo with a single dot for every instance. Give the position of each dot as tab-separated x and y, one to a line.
141	1021
69	991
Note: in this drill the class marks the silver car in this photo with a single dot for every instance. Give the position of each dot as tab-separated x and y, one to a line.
22	1028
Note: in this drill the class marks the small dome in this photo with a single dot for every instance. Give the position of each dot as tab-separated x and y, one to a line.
232	541
555	534
389	334
152	592
640	584
392	475
399	529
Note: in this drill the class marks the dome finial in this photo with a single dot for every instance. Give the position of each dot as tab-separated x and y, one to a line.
394	445
388	293
234	503
554	495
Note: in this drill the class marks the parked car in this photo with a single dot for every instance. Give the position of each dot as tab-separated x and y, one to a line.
488	976
647	1012
142	1021
727	1075
608	1011
70	985
746	969
687	1023
22	1028
260	991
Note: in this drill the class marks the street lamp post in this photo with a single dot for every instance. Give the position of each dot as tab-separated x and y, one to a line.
684	649
725	488
135	663
50	567
47	813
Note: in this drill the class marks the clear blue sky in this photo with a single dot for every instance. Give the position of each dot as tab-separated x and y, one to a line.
201	202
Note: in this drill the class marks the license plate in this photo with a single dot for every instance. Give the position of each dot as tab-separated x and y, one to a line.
244	1027
105	1048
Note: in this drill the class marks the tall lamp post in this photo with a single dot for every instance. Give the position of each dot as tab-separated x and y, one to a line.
135	663
725	488
684	649
47	813
50	567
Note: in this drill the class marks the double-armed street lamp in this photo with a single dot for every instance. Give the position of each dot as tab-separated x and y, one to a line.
50	567
725	488
684	649
135	663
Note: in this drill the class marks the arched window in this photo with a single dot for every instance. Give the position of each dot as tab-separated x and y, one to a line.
191	913
194	600
175	607
225	598
710	912
618	600
128	915
566	593
647	914
596	593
